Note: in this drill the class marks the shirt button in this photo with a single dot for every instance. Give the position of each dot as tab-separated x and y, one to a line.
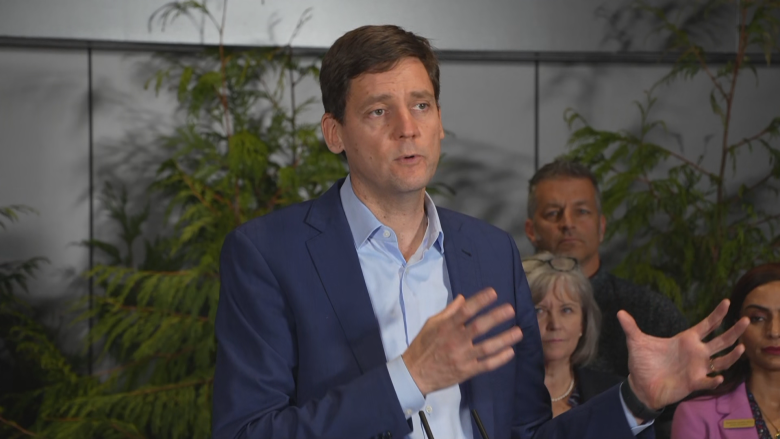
386	234
429	410
409	412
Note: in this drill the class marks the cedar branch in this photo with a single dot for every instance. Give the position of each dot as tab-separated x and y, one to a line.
17	427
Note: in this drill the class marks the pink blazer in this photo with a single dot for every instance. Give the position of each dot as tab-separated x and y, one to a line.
702	418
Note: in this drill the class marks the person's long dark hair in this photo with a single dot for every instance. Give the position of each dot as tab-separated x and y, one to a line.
761	275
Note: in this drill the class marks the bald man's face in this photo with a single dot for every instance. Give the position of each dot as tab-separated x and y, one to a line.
567	221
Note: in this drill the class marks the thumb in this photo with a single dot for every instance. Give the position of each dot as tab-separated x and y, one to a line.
628	324
453	307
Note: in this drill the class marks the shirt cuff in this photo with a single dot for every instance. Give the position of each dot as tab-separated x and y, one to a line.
409	395
635	428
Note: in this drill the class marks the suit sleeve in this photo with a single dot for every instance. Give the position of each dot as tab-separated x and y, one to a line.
687	423
255	393
599	418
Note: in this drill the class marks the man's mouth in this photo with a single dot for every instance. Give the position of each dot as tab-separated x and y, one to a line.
409	158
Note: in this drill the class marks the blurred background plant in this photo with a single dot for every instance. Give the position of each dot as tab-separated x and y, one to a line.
692	230
28	357
242	152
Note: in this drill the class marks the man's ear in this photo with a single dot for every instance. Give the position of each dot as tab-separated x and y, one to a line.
530	232
441	125
331	132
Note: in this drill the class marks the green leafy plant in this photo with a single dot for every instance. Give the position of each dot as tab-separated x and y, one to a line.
242	152
16	273
691	231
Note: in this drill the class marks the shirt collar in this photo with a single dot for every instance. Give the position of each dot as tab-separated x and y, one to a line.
363	223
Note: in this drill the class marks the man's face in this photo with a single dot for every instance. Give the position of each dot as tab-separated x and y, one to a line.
392	130
567	221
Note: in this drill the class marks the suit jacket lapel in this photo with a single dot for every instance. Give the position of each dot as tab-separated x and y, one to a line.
338	266
734	406
463	269
460	256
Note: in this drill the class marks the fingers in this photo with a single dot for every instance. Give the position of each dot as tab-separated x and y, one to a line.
453	307
506	339
729	337
726	361
628	324
484	323
474	305
709	383
713	320
495	361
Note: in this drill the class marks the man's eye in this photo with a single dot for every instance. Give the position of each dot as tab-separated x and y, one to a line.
423	106
539	311
756	319
551	214
378	112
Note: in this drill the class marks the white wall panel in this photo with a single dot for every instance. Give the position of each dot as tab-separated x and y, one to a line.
129	123
44	164
517	25
488	110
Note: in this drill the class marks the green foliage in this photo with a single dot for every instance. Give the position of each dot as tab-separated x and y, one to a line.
691	231
15	273
242	152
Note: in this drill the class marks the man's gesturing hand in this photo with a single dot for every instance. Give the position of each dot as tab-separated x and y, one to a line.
444	353
663	371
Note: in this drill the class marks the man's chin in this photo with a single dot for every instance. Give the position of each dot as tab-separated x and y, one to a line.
569	250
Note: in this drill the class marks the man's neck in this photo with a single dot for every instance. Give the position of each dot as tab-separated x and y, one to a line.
404	214
590	266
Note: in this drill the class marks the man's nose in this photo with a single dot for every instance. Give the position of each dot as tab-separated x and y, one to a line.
405	124
567	219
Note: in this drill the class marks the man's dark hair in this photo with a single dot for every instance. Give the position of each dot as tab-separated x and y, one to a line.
370	49
560	168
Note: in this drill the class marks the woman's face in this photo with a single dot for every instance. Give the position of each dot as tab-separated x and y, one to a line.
762	336
560	322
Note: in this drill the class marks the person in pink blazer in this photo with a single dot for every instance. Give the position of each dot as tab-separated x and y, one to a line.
714	417
747	404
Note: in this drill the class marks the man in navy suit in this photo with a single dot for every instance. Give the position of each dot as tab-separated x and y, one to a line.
369	310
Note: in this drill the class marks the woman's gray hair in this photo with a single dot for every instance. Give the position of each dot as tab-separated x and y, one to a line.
542	277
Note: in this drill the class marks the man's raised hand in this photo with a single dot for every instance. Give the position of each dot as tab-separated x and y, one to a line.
663	371
444	354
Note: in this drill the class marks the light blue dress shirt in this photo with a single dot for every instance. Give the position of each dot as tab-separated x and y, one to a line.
404	294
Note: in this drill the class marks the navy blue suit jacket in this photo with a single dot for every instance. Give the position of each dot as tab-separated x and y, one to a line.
300	354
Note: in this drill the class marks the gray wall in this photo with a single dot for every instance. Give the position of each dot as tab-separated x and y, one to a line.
502	117
487	25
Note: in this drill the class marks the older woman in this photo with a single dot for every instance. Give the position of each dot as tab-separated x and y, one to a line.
747	404
569	320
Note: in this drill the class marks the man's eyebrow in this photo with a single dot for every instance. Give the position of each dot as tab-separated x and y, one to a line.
422	94
373	99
